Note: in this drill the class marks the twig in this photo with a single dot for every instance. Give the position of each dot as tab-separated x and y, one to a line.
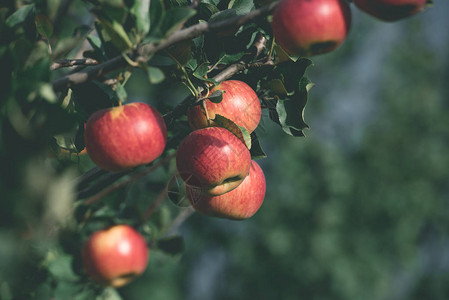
179	110
145	51
155	204
87	177
105	190
101	184
180	218
61	63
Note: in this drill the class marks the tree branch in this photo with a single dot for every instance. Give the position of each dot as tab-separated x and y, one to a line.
104	187
143	53
61	63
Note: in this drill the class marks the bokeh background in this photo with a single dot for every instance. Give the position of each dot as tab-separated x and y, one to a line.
357	209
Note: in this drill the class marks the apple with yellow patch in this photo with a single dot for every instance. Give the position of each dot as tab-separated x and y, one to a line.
125	136
239	104
239	204
115	256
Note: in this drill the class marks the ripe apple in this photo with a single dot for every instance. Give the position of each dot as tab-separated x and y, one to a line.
125	136
241	203
391	10
115	256
310	27
213	160
240	104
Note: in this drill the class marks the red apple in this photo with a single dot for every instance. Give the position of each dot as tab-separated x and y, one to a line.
240	203
240	104
125	136
391	10
310	27
213	160
115	256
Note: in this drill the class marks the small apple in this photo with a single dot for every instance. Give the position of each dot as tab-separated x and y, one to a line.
241	203
310	27
391	10
239	104
115	256
213	160
125	136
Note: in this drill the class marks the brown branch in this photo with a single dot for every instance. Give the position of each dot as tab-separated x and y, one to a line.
101	189
110	188
143	53
257	48
180	218
61	63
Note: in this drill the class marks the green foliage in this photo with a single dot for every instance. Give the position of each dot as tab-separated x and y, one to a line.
334	225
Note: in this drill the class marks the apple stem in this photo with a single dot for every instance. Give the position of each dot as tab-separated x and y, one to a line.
203	103
189	84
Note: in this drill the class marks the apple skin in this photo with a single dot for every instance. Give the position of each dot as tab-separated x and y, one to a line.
125	136
311	27
240	104
239	204
391	10
115	256
213	160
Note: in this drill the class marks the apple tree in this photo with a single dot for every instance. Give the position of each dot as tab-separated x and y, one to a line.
92	179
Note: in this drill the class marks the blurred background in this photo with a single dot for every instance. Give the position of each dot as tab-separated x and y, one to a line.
357	209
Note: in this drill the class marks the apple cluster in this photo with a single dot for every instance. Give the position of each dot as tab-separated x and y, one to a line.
221	179
311	27
214	160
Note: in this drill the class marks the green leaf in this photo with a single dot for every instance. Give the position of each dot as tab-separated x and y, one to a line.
20	16
94	41
256	149
109	293
223	15
291	111
206	10
216	96
231	58
141	11
65	290
60	266
65	45
122	95
237	130
276	86
117	33
171	245
213	2
44	26
92	96
293	71
176	17
47	93
201	71
157	13
155	75
242	7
